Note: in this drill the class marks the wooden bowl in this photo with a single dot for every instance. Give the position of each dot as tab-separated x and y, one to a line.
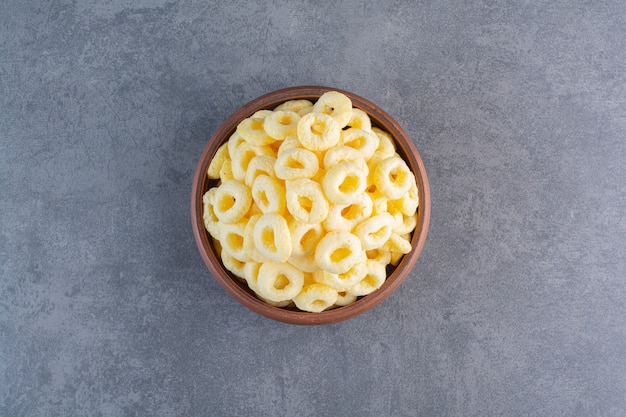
238	289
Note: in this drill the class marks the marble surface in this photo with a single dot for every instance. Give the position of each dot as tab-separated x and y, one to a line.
516	307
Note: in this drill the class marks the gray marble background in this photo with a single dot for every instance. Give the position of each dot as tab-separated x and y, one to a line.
517	306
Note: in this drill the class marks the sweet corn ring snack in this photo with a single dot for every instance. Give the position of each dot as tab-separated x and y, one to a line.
344	183
363	141
281	304
347	216
234	142
375	231
233	264
268	194
409	202
294	105
253	131
296	163
406	225
342	282
315	298
280	124
243	154
271	237
318	131
288	143
379	255
232	240
386	146
279	281
338	154
231	201
304	237
393	177
373	280
338	251
226	171
306	201
221	155
336	105
260	164
251	274
344	299
304	263
360	120
208	212
261	114
396	243
248	240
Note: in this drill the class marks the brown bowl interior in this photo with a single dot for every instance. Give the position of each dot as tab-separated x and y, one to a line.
238	289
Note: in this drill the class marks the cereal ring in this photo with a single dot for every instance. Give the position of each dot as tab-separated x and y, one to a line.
213	170
234	142
338	154
232	239
379	255
347	216
373	280
296	163
244	153
248	240
281	124
393	177
406	225
342	282
281	304
360	120
386	145
271	237
362	140
288	143
305	110
232	201
252	130
279	281
306	201
409	202
378	199
343	299
208	212
318	131
336	105
268	194
226	171
233	264
294	105
304	263
254	209
374	231
338	251
384	205
395	258
261	114
260	164
251	274
397	243
315	298
304	237
344	183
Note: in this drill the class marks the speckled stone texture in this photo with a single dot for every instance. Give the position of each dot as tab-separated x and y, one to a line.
517	306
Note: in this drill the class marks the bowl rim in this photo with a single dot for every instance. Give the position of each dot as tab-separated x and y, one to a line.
233	285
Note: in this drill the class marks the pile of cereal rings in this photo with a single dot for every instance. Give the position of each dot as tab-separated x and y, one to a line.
312	203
